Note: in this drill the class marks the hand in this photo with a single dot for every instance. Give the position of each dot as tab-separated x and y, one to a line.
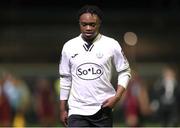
110	102
64	117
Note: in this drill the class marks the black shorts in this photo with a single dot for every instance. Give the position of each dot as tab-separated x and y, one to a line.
103	118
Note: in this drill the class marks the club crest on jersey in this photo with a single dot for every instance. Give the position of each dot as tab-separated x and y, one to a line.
99	55
89	71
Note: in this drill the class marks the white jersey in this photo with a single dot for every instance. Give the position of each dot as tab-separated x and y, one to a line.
85	73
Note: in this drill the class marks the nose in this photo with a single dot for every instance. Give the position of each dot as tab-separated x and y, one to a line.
88	27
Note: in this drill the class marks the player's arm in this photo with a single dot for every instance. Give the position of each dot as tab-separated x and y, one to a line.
122	67
123	79
65	85
64	94
63	112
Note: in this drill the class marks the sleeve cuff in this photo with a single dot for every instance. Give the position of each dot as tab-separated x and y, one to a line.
64	94
123	80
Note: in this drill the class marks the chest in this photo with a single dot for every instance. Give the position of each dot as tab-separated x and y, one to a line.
97	55
90	65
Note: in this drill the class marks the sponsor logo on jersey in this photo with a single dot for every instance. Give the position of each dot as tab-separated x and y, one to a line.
89	71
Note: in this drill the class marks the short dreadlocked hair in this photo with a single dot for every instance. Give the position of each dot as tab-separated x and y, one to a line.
90	9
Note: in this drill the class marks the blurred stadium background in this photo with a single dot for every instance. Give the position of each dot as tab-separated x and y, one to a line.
32	33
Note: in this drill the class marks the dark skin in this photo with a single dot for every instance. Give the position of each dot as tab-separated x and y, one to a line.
89	27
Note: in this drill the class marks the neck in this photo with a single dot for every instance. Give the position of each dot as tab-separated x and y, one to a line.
90	41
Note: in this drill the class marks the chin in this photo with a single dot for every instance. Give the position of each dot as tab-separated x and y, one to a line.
88	37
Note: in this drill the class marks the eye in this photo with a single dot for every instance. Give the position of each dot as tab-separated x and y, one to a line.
93	24
83	24
90	24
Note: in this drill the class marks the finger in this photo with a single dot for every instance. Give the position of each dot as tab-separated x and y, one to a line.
105	104
66	123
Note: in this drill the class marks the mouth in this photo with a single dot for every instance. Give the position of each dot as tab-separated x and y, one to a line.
88	34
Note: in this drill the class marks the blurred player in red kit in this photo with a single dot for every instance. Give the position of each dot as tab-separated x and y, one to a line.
136	101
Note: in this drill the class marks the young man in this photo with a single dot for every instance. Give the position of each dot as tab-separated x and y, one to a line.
85	74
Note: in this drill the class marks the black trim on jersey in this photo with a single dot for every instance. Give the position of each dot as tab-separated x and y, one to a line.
64	76
85	47
91	47
88	47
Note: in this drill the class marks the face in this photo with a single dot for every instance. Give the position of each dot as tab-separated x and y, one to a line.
89	26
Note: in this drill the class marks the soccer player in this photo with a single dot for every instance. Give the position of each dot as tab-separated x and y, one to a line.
87	95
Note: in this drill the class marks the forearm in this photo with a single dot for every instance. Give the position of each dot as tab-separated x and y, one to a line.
119	92
123	80
63	112
112	101
63	105
65	86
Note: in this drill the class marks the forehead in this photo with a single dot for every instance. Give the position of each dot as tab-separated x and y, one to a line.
87	17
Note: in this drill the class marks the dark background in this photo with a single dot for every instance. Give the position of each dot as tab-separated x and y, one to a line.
34	31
